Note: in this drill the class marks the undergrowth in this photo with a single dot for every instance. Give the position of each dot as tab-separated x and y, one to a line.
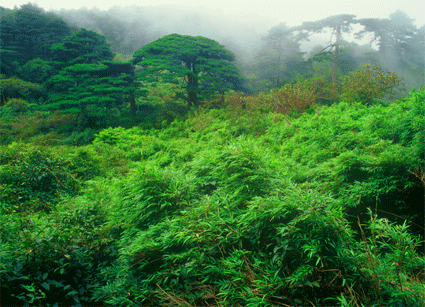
312	207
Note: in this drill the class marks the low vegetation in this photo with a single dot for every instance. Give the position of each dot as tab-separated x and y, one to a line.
238	206
166	178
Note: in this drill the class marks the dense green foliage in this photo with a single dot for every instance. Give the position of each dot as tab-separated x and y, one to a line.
203	64
61	71
87	82
115	191
210	211
34	180
16	88
27	34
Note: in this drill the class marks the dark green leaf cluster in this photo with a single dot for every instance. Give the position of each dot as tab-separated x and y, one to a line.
33	180
82	47
16	88
27	34
50	253
87	82
204	64
53	259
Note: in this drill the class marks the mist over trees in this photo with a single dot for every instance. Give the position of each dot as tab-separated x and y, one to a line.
28	33
396	43
158	156
135	26
263	58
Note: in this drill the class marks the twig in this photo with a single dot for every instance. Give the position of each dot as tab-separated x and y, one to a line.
369	255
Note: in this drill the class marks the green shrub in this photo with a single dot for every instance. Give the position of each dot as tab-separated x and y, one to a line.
267	210
369	83
56	258
79	138
284	249
17	88
17	105
36	180
29	126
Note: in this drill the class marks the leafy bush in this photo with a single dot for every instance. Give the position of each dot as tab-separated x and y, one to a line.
370	83
56	257
21	127
389	256
161	103
36	181
280	249
17	105
239	170
266	211
17	88
359	153
21	123
79	138
37	70
298	97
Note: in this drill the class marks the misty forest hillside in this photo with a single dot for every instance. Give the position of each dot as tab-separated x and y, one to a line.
155	156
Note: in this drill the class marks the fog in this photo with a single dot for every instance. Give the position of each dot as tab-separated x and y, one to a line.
268	12
146	24
235	24
240	28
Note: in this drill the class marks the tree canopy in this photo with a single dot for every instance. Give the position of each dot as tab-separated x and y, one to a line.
28	33
204	65
82	47
87	81
338	25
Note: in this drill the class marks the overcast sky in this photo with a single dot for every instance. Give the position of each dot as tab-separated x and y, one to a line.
293	12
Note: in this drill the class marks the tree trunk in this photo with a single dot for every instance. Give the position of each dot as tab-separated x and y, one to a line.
335	60
383	44
132	106
132	98
192	85
335	65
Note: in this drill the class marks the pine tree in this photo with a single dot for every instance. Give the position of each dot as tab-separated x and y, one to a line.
88	83
205	66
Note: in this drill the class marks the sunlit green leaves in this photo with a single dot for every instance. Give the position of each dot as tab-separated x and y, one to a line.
208	211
